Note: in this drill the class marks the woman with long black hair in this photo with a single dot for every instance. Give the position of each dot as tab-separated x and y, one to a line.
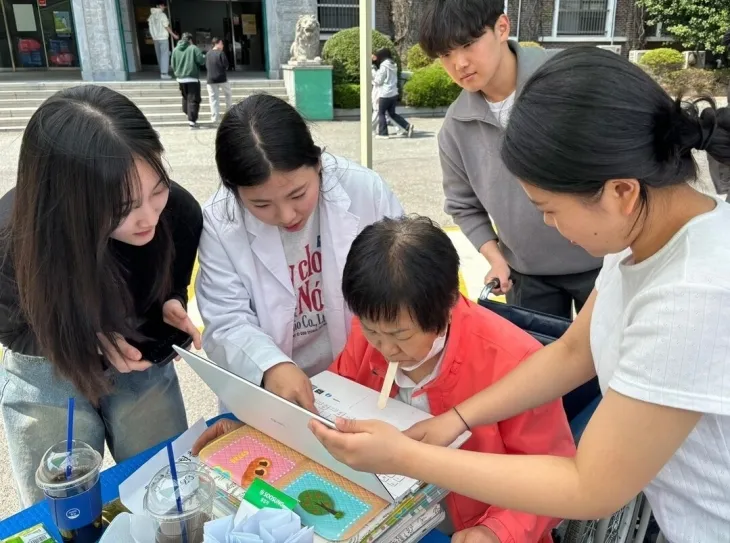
607	156
96	240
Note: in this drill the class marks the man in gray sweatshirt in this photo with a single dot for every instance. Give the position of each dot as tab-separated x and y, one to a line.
537	268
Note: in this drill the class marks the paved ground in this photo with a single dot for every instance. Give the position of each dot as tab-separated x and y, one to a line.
410	166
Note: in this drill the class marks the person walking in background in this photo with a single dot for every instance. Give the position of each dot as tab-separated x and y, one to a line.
536	267
386	79
375	97
216	64
160	31
186	62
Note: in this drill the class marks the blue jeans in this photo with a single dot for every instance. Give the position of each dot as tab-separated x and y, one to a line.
145	408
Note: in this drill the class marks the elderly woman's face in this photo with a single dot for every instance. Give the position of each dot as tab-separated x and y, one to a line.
401	341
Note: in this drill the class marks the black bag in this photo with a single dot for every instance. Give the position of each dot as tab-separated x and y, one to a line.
545	329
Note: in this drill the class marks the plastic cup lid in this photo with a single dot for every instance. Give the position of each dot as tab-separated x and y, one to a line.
197	492
85	464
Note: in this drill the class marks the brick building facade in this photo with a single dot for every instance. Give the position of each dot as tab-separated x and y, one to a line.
564	23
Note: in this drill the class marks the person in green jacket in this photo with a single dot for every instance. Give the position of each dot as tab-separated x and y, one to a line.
186	62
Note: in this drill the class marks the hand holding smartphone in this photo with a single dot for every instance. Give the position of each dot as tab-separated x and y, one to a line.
157	342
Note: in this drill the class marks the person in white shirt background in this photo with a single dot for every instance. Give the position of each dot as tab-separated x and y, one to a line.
606	155
160	32
385	79
274	244
375	97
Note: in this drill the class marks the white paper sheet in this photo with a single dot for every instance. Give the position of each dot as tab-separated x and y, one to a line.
344	398
335	396
24	18
132	490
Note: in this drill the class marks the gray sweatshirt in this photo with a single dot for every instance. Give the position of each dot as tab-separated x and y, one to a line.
386	78
479	189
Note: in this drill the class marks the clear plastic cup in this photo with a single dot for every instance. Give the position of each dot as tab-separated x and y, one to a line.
75	500
197	494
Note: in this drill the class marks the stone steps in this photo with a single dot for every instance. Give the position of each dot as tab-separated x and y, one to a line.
144	101
158	100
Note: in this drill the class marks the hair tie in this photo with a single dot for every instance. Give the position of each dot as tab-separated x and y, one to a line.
707	133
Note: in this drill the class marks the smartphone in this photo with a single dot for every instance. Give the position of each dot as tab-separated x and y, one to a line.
159	337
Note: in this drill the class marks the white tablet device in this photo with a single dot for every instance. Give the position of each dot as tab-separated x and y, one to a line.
283	421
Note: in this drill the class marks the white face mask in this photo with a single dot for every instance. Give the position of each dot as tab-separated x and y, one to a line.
438	345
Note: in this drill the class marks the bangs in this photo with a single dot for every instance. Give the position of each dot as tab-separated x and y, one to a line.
124	175
447	25
379	301
382	299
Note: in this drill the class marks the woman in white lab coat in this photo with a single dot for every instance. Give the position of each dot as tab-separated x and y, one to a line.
274	243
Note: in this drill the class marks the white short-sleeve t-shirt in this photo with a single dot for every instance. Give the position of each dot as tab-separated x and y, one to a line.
660	333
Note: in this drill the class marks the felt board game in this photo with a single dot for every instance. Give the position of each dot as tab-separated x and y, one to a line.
336	508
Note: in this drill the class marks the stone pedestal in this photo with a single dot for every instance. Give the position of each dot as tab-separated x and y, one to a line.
309	87
98	27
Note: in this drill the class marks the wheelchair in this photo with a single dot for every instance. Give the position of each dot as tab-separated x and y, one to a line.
630	523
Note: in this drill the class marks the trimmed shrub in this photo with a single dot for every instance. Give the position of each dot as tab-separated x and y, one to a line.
722	77
662	61
342	51
346	96
417	59
695	82
431	87
691	81
530	44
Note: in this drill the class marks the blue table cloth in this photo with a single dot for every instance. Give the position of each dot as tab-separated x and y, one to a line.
110	481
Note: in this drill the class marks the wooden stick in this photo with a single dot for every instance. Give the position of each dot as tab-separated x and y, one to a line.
387	385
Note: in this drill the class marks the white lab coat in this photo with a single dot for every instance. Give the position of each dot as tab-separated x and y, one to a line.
244	290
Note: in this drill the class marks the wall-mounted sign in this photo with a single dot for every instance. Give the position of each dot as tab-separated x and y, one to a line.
24	18
249	24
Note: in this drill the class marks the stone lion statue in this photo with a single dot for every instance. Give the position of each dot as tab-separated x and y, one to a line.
305	48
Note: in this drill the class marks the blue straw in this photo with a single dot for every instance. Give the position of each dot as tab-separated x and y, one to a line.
176	487
69	436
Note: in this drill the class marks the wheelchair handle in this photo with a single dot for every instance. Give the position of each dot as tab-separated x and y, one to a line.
488	288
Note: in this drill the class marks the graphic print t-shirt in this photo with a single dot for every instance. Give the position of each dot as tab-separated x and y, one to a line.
303	249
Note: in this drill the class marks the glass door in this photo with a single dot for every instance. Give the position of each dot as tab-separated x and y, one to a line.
248	36
60	39
26	33
6	56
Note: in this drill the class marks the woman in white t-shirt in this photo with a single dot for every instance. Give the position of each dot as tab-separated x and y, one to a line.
275	240
606	155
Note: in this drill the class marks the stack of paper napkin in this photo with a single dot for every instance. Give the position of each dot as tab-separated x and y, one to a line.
263	526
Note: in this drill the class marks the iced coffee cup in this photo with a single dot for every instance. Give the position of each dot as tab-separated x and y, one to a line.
70	482
197	494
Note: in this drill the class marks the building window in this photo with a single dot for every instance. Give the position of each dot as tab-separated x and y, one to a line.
656	32
336	15
582	17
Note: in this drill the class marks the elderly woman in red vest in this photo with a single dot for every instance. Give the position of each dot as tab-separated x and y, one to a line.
401	280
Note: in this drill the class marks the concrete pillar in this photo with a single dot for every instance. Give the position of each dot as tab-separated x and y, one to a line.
130	36
281	24
99	39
